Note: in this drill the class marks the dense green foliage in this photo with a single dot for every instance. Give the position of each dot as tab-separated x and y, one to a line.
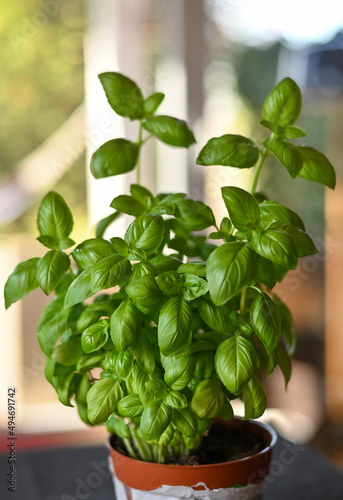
186	325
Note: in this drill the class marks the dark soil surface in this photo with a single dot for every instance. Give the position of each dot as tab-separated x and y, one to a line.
221	445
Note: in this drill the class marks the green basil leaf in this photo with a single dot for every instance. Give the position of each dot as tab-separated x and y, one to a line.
119	427
114	157
208	399
301	240
185	421
65	386
155	419
316	167
174	325
266	321
178	371
104	223
142	351
110	271
157	388
194	287
80	289
287	325
125	324
90	251
235	363
284	361
146	233
95	336
139	378
68	353
102	400
230	268
120	246
194	215
51	269
130	406
281	213
265	271
287	154
229	151
163	263
196	268
283	105
89	361
290	132
151	104
277	246
124	364
216	317
123	94
170	130
142	194
54	216
175	399
145	291
170	283
21	281
254	398
52	324
204	364
127	205
242	207
49	241
81	398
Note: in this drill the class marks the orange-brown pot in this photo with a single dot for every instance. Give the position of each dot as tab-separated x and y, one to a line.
147	476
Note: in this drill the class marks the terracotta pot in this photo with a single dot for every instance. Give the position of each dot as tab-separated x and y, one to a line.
147	476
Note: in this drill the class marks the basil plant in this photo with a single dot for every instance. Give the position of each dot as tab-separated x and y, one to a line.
153	333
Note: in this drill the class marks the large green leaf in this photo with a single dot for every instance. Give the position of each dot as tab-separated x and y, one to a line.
266	321
128	205
125	323
230	268
123	94
277	246
90	251
208	399
170	130
51	269
281	213
174	325
178	371
235	363
155	419
114	157
102	400
21	281
216	317
146	233
230	151
287	154
68	353
316	167
301	240
144	291
242	207
52	324
194	215
185	421
255	399
194	287
54	216
287	326
170	283
130	406
283	105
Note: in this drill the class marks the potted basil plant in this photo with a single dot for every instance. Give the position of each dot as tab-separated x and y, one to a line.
153	333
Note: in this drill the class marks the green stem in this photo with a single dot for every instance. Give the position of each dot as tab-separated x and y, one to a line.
140	142
129	448
263	156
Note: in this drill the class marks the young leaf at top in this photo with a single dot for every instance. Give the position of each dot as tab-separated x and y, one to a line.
151	104
316	167
54	217
242	207
123	94
230	268
229	151
21	281
266	321
235	363
286	153
170	130
114	157
283	105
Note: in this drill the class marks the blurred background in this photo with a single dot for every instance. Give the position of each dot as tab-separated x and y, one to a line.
216	60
